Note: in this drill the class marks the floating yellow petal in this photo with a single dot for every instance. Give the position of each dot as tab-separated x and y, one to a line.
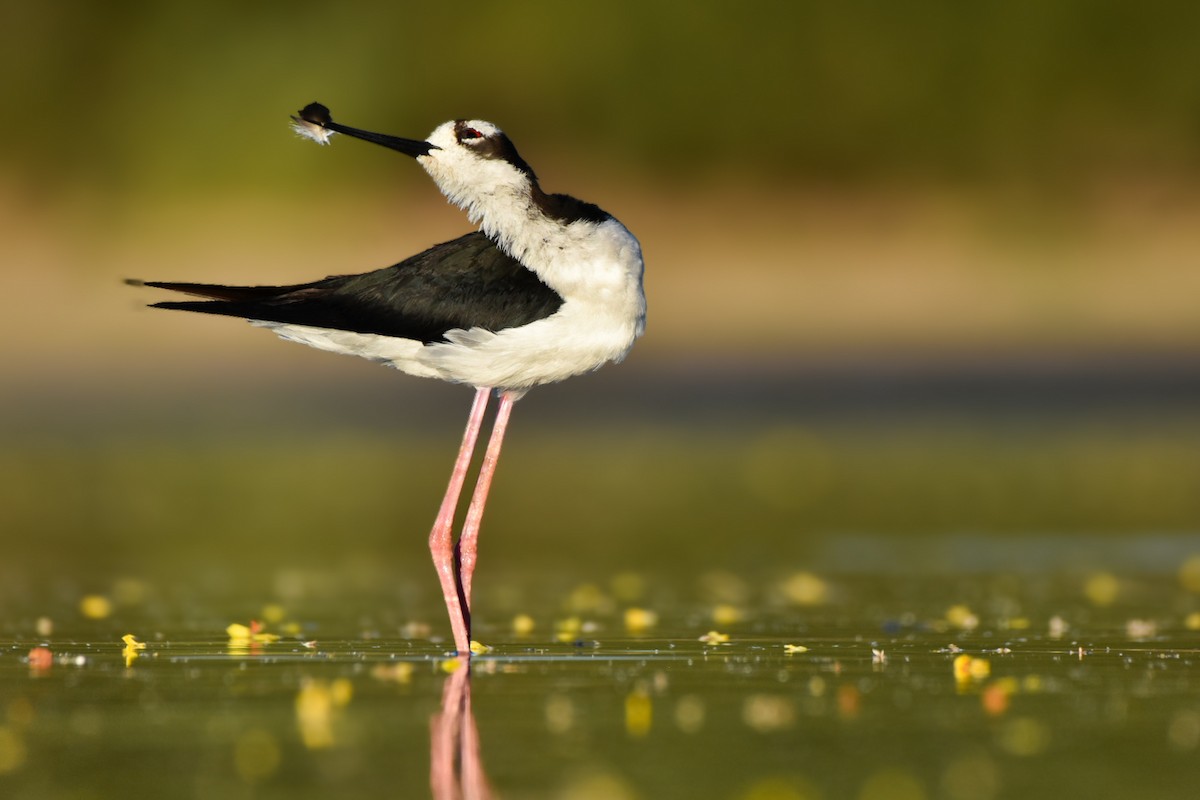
479	649
130	651
792	649
95	606
968	668
567	629
638	620
243	634
724	614
961	616
713	637
805	589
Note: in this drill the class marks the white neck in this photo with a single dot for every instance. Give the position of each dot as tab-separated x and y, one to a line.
502	205
585	260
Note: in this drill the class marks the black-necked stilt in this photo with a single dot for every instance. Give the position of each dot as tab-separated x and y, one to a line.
548	287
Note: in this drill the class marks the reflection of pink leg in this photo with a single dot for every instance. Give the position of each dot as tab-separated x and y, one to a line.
468	542
474	781
440	538
455	762
445	730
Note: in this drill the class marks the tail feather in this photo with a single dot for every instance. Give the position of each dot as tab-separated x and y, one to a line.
226	308
215	291
301	304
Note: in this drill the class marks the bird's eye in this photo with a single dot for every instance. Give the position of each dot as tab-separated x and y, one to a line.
469	133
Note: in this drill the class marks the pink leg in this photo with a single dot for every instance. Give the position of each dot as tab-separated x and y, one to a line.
441	545
468	542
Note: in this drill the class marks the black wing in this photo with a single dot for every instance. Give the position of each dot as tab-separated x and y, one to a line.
465	283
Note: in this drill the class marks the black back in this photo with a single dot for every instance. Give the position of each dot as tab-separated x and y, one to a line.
465	283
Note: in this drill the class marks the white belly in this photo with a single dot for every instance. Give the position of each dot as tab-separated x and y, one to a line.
574	340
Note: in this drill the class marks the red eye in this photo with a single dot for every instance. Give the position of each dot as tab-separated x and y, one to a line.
469	133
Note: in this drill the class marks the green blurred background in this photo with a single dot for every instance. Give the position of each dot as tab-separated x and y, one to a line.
913	269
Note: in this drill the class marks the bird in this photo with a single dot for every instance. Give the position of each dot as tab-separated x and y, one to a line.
545	287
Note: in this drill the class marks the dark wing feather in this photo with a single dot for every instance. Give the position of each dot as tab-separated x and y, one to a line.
465	283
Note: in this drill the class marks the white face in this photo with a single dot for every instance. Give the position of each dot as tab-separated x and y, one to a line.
457	133
475	162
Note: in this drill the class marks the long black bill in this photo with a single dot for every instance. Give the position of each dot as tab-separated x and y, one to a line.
317	114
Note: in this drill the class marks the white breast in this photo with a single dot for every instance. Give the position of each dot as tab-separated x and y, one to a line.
598	272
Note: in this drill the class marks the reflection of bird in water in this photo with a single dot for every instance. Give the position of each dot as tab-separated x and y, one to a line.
455	763
547	288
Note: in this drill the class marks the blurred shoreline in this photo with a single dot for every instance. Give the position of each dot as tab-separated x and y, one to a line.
340	394
731	274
